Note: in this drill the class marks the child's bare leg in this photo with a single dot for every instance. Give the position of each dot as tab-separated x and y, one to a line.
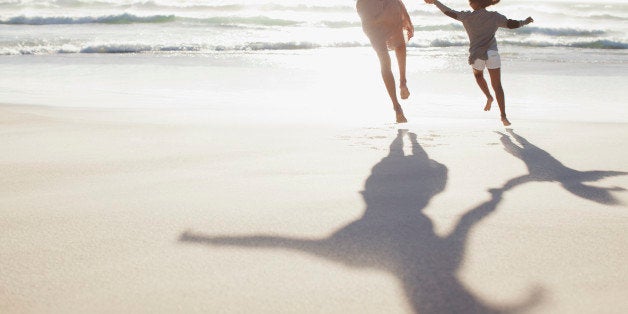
499	93
389	81
400	52
479	78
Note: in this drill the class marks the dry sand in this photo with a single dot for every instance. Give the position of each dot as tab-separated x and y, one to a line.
130	211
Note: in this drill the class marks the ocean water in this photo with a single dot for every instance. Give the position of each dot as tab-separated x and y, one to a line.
209	26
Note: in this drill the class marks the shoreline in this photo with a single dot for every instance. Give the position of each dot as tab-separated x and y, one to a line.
327	85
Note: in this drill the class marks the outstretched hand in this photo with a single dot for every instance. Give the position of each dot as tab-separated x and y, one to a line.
527	21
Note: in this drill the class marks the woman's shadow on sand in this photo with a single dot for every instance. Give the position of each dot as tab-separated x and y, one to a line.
396	236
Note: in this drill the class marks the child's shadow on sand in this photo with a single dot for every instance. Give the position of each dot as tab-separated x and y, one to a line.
543	167
394	235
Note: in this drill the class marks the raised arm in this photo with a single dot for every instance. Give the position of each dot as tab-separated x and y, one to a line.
516	24
449	12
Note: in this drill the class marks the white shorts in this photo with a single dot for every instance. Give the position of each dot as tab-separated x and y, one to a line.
493	62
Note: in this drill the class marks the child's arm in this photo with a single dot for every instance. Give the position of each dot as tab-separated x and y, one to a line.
449	12
516	24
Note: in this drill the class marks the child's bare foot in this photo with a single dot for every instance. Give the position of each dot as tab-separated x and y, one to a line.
404	92
489	101
505	121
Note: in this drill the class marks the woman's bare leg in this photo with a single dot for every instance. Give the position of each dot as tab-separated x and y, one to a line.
479	78
499	93
389	80
400	53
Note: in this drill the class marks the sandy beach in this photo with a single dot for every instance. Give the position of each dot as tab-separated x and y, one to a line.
126	210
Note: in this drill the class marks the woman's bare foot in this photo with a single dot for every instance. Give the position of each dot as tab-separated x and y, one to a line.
399	115
401	118
489	101
404	92
505	121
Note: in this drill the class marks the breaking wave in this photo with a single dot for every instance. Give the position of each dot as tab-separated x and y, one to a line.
124	18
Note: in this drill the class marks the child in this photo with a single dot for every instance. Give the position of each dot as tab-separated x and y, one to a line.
481	26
